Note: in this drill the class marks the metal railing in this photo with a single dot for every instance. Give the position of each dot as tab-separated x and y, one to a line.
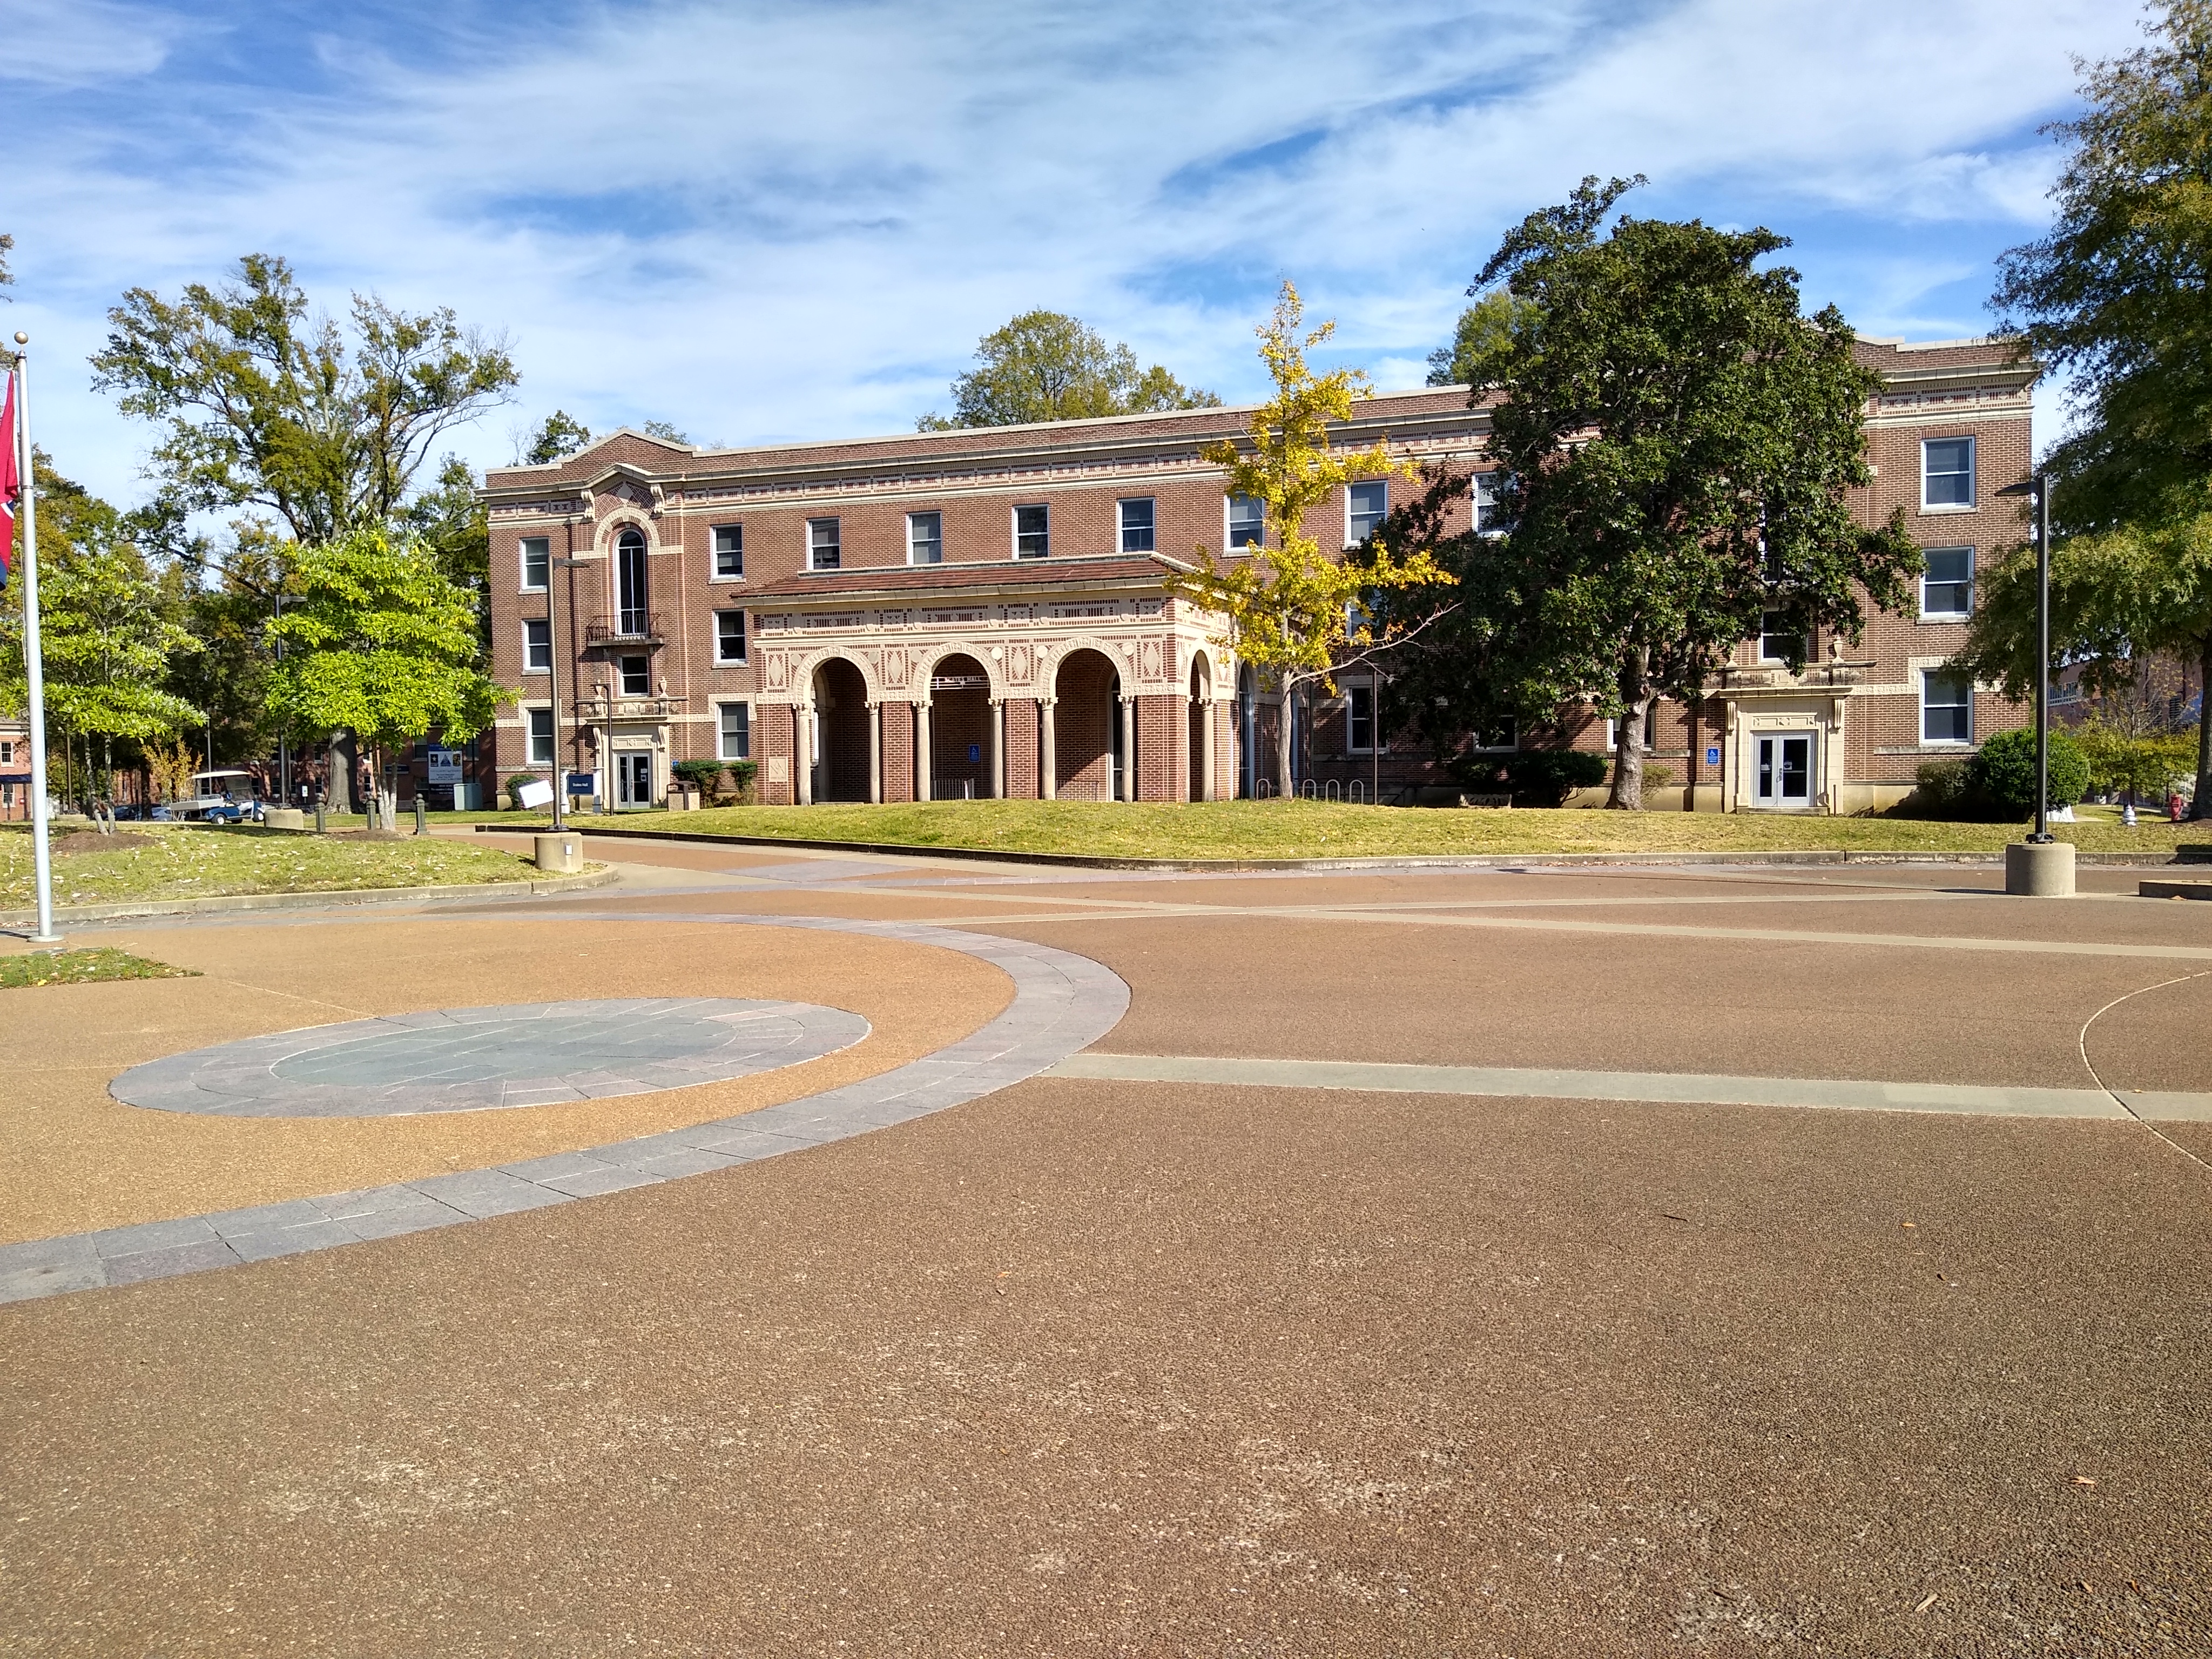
643	625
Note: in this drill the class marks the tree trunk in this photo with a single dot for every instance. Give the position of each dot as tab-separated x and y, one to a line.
1627	794
339	770
1284	735
2200	808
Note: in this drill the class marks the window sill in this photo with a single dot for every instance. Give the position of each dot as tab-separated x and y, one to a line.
730	662
724	581
1949	512
1953	619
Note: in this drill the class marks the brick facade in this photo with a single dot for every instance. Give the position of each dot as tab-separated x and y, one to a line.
1081	653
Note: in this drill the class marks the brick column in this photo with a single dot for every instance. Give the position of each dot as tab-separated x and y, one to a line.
1021	779
922	782
897	736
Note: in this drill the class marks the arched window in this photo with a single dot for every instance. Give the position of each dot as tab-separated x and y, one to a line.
630	582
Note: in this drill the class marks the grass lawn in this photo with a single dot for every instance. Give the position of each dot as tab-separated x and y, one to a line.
1302	829
194	863
81	968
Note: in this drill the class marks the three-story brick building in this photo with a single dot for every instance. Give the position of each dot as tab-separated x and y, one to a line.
983	612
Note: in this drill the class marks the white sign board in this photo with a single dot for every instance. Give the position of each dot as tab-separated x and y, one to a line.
445	766
536	792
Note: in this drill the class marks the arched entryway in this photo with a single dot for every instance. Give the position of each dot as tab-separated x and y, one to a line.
1087	728
1201	727
959	729
840	729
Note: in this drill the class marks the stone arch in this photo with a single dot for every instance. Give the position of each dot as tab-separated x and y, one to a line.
629	547
1201	725
928	659
961	723
840	653
839	697
1086	686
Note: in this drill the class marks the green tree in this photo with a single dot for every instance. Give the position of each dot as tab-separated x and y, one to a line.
1481	343
261	404
665	431
2118	597
560	436
382	643
1677	438
1043	366
6	247
108	623
452	522
1295	610
2114	294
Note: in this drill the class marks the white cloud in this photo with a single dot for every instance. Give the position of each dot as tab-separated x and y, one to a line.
75	43
761	221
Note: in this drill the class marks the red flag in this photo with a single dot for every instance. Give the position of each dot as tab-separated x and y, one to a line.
11	482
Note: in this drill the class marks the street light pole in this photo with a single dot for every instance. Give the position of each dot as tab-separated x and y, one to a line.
2039	487
553	645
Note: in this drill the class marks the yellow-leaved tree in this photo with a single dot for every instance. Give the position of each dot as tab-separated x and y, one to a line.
1295	610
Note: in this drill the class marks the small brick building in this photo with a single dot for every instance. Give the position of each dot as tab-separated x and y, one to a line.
982	612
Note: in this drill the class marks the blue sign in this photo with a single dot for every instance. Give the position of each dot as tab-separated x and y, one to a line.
974	751
583	783
1712	755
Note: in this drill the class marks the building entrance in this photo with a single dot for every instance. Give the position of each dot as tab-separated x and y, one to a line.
1782	769
633	777
1087	720
960	737
841	733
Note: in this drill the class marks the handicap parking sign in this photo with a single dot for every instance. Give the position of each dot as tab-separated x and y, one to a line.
974	751
1712	755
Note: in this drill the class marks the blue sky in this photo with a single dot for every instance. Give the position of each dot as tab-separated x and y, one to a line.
761	221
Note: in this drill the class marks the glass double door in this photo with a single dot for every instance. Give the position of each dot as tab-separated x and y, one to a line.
633	777
1782	769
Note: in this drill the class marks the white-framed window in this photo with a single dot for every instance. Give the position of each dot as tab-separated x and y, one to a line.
1650	729
925	538
733	731
541	736
1247	523
1947	707
636	676
1135	518
1946	586
823	550
7	751
729	552
1365	505
1489	512
537	563
1032	532
536	646
1501	736
1359	718
729	637
1776	637
1946	474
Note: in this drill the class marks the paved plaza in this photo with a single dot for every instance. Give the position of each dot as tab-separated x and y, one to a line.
789	1252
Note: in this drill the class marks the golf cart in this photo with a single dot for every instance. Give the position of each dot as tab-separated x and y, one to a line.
212	801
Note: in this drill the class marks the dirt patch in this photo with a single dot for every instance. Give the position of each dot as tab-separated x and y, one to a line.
91	841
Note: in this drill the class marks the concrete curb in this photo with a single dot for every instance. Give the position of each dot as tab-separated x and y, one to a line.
341	896
1381	861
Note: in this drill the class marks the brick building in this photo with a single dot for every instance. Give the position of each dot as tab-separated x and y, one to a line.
982	612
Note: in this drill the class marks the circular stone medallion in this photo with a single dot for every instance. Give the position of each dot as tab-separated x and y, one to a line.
468	1059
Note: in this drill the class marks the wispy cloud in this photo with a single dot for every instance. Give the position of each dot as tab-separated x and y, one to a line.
761	219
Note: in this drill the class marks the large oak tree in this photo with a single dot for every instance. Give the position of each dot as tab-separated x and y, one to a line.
1677	438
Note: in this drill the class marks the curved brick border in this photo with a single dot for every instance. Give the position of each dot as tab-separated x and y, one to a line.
1062	1002
635	1045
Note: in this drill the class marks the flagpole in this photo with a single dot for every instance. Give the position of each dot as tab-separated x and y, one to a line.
34	668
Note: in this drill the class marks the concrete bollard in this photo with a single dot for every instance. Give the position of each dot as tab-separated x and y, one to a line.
2041	869
561	855
285	817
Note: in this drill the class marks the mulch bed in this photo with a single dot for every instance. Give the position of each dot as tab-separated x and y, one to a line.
91	841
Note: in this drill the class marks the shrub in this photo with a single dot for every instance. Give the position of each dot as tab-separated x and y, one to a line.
2003	773
1945	791
514	789
1546	777
704	776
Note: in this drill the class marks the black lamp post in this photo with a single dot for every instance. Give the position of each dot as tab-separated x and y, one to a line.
2040	488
